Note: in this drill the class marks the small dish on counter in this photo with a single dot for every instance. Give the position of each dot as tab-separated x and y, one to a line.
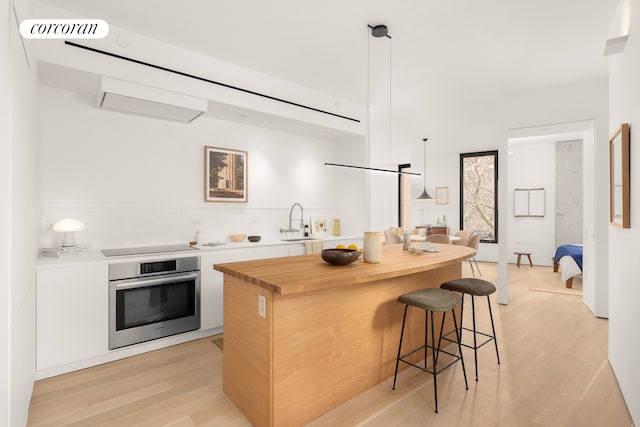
254	238
339	256
237	237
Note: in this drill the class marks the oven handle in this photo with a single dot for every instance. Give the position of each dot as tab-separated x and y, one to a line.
153	282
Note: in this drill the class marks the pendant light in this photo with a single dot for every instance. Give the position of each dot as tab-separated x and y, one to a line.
377	32
425	196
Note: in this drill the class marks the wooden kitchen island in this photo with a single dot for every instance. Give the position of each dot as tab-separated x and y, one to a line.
328	332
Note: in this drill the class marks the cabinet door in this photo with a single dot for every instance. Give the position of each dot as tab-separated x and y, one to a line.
211	284
72	314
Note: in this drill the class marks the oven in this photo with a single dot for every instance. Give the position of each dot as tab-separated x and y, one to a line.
153	299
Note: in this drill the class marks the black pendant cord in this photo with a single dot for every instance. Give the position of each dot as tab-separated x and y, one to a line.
204	79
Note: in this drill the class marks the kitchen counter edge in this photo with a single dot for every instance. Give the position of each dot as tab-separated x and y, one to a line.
97	257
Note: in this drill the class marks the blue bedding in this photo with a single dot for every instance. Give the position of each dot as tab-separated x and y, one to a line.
573	251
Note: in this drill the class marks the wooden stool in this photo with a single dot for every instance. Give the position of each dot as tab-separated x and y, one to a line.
430	300
528	254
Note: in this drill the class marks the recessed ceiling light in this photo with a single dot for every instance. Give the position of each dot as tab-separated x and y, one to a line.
242	116
122	41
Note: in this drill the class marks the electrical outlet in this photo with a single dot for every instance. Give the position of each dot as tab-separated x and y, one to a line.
262	306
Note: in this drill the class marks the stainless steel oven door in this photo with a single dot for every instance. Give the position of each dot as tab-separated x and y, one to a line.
143	309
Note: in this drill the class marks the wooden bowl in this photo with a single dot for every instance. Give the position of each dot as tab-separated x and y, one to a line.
339	256
237	237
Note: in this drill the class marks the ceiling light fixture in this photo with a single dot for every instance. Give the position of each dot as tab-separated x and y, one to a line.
377	31
425	196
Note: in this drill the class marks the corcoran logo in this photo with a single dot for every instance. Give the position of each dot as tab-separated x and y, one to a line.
64	28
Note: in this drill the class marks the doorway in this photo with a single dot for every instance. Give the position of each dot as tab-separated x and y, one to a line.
573	131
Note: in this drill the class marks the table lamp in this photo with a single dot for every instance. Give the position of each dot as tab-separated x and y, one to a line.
68	226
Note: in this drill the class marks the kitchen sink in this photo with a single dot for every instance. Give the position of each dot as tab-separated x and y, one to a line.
298	239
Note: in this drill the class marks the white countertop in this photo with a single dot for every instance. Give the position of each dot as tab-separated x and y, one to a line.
96	256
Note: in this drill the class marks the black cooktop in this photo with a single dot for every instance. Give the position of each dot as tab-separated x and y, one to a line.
146	250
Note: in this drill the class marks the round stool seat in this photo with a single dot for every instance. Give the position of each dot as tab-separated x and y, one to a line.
433	299
470	286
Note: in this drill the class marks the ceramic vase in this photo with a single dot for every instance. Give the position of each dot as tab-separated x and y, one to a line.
372	249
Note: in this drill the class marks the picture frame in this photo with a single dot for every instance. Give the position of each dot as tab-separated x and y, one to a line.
319	226
225	175
442	195
529	202
619	173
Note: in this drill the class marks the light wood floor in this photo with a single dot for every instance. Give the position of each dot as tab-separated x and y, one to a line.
554	372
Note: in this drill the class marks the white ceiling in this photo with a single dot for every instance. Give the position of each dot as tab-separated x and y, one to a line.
451	60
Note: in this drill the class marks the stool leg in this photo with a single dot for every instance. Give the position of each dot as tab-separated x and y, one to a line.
435	361
475	344
530	262
493	329
459	339
404	318
426	337
477	267
444	315
462	294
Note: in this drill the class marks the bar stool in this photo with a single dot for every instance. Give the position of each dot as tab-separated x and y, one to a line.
474	287
431	300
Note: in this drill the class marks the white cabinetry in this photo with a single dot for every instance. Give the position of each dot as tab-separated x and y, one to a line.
295	250
211	281
72	314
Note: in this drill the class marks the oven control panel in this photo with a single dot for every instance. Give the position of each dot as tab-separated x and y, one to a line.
135	269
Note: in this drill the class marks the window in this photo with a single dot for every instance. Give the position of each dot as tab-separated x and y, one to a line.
479	194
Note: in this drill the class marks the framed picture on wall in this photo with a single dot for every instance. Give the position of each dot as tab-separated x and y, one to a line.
528	202
619	178
225	175
319	226
442	195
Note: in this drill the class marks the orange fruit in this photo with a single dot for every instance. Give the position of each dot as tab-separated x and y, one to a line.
354	247
341	246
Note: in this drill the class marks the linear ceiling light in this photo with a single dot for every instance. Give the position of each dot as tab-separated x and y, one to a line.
372	169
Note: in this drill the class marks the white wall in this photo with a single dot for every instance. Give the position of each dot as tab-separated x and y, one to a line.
442	171
624	316
139	181
18	223
532	165
5	213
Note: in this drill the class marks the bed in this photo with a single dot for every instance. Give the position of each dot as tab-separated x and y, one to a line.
569	259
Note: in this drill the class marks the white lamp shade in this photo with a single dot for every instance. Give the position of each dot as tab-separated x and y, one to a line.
68	224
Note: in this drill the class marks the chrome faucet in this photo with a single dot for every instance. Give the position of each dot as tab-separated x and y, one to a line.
291	229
